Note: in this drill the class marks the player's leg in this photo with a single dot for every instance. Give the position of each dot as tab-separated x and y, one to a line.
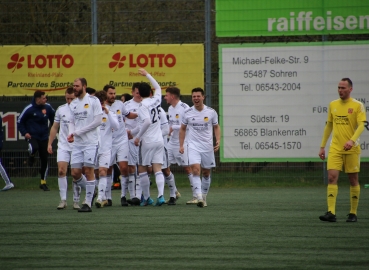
32	145
42	151
155	153
133	173
79	179
89	160
62	183
352	168
334	166
195	161
207	162
104	165
4	175
122	160
63	159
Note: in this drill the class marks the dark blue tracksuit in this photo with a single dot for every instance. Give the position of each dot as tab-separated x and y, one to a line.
34	120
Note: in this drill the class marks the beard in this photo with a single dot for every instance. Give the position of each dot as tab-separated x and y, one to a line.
78	93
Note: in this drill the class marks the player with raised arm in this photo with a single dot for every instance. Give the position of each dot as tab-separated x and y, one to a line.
200	120
84	132
150	140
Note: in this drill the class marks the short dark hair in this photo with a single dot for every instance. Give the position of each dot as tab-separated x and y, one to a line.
83	81
144	89
90	90
101	95
106	87
127	97
198	89
38	94
69	91
174	91
347	80
135	85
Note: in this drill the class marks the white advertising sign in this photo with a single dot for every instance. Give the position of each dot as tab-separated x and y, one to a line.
274	97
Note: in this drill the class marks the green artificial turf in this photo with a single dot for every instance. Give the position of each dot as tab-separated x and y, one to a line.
254	228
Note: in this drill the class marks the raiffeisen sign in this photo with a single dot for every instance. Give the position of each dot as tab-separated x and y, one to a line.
290	17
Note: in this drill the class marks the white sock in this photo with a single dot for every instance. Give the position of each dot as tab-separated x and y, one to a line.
205	184
109	182
63	186
123	185
190	177
82	182
76	192
171	184
139	187
145	185
160	183
132	185
4	175
90	189
102	187
196	181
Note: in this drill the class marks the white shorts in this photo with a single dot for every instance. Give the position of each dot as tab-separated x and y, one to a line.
150	153
119	153
175	157
166	163
63	155
83	156
103	160
205	159
133	153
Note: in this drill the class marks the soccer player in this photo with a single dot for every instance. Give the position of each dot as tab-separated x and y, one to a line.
132	106
109	125
120	146
200	120
165	168
61	124
175	112
4	175
346	117
33	124
150	140
84	132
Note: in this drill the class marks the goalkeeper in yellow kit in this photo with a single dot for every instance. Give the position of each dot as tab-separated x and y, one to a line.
346	117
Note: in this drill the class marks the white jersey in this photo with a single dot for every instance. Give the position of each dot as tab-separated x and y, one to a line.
83	113
175	120
62	117
109	125
163	122
149	109
120	135
131	106
200	128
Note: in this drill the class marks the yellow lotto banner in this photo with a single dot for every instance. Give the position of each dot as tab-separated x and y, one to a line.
25	69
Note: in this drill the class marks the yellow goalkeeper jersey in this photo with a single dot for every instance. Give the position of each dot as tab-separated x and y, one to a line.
345	116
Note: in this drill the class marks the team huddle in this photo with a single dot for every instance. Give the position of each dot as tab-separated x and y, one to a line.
98	131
